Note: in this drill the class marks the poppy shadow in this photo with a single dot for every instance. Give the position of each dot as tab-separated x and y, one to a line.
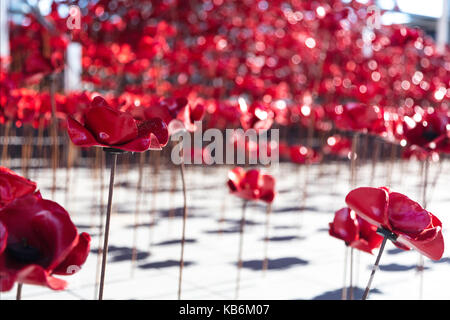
274	264
337	294
223	231
238	222
176	241
284	238
179	212
443	260
120	254
395	251
142	225
164	264
394	267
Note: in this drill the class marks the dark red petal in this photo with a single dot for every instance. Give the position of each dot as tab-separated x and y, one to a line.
157	127
235	177
363	245
433	249
3	237
13	186
98	101
111	127
370	204
79	135
44	224
406	215
36	275
267	188
76	257
345	225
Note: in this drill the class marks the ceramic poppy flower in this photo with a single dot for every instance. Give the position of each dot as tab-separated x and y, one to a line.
338	146
38	240
13	186
359	117
107	127
300	154
171	109
256	117
251	184
431	132
354	231
409	225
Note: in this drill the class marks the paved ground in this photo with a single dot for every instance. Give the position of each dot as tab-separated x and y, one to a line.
305	262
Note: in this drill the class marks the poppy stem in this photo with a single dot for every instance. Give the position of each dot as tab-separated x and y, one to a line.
54	133
421	263
375	157
241	246
344	287
266	239
137	211
351	275
374	269
107	225
155	177
6	143
19	291
183	234
101	165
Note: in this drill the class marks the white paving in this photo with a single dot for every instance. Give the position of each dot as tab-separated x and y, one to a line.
305	262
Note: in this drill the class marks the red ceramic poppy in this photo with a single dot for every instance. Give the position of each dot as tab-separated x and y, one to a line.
13	186
356	232
177	109
38	240
338	146
411	225
359	117
256	117
107	127
431	131
251	184
300	154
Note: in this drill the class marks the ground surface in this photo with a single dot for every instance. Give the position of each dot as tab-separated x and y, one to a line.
305	262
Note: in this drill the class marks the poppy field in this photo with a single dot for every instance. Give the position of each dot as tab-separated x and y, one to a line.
220	149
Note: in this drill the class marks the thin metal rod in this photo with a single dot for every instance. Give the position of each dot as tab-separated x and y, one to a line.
241	246
351	275
374	269
183	235
107	225
266	239
137	212
344	286
421	263
19	291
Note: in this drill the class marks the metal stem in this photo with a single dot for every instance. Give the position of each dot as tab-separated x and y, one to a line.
374	269
107	225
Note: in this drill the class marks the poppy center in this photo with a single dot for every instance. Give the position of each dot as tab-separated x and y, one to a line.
430	134
22	252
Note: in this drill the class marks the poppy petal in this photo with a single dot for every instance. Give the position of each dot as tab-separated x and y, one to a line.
3	237
344	226
36	275
76	257
406	215
79	135
111	127
433	249
370	204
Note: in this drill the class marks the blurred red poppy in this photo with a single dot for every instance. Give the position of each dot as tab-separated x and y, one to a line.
359	117
37	240
107	127
354	231
251	184
13	186
411	225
